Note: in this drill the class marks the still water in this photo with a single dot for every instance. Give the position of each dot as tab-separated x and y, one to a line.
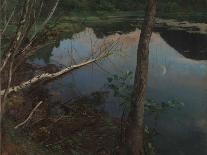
177	70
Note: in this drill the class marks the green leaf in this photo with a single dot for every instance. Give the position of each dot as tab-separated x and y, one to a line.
116	77
109	79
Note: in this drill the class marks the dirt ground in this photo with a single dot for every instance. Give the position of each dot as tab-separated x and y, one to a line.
75	127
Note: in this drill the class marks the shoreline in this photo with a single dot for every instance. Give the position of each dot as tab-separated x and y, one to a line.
184	25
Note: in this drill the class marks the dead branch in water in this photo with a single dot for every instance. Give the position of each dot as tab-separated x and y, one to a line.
29	117
50	76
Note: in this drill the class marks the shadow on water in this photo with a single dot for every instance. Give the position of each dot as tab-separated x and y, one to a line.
121	27
173	73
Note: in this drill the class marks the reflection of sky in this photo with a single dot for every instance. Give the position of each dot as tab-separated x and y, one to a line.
167	64
171	75
164	60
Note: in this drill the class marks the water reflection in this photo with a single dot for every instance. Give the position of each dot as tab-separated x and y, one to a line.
190	45
171	75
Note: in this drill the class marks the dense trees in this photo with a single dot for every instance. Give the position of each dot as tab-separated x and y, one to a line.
124	5
130	5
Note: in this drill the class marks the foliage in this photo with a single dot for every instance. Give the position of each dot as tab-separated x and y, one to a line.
126	5
149	147
132	4
87	5
153	106
183	10
121	86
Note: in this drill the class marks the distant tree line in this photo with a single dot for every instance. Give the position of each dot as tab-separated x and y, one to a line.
115	5
131	5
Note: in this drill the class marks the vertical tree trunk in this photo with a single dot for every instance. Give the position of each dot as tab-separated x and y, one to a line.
135	128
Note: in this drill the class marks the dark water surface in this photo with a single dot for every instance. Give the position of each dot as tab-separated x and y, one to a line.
177	70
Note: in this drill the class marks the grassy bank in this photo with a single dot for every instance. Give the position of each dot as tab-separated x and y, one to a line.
103	21
191	16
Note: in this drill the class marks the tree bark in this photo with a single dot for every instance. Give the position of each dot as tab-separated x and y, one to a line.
47	76
135	127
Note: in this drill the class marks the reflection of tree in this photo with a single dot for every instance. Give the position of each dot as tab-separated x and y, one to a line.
122	26
65	31
68	29
43	54
100	29
190	45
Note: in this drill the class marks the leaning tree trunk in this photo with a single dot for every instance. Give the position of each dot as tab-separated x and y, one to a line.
135	128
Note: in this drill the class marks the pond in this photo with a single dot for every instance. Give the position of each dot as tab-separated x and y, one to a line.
177	70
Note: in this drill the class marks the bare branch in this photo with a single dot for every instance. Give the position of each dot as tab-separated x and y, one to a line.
48	76
5	27
29	117
27	20
3	4
10	74
47	20
51	13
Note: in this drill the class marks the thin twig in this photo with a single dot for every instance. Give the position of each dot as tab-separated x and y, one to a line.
5	27
29	117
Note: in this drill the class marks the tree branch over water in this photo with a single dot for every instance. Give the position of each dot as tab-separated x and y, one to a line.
51	76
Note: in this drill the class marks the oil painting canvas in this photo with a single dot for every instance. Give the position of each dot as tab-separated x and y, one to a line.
103	77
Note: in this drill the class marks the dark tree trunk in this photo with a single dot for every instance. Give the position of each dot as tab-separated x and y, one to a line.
135	128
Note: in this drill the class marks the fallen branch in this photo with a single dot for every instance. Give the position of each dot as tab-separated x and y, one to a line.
47	76
29	117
